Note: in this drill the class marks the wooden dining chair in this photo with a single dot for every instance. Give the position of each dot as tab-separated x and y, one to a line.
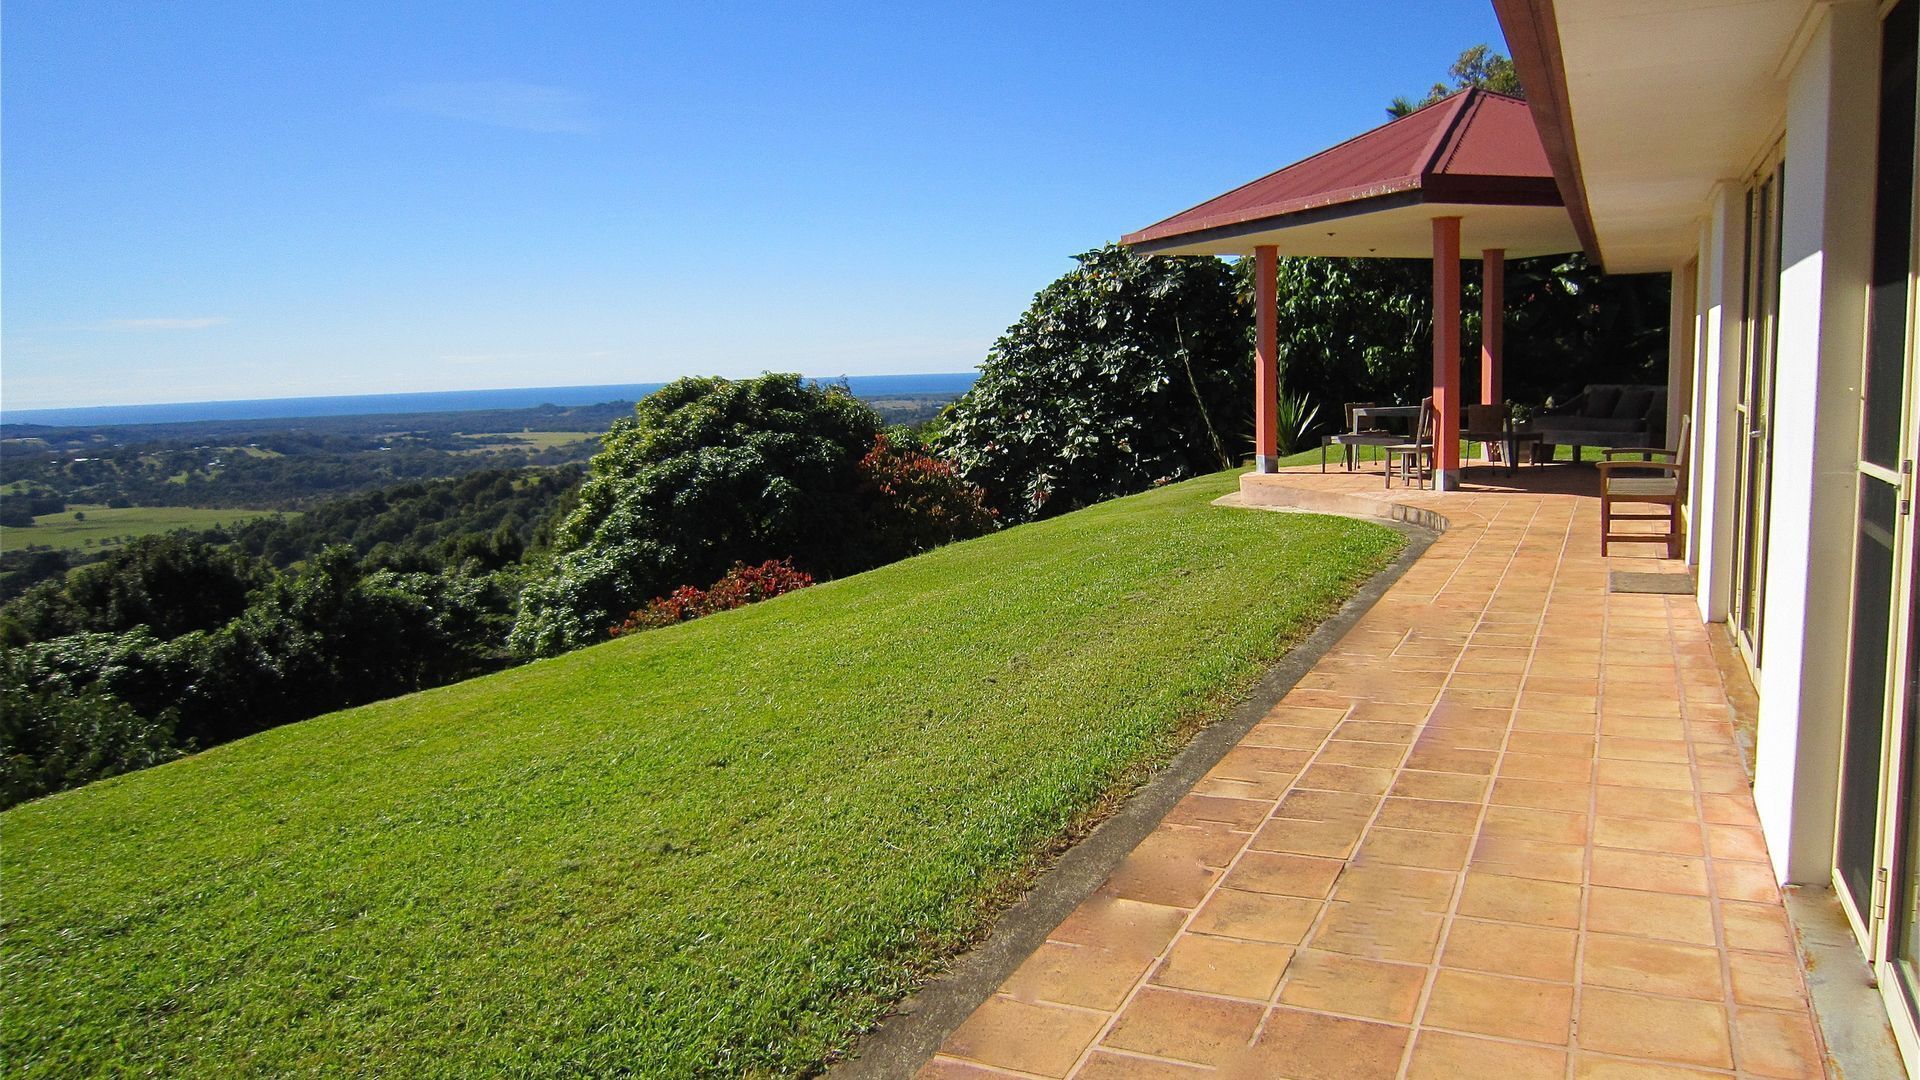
1667	488
1487	425
1354	437
1414	458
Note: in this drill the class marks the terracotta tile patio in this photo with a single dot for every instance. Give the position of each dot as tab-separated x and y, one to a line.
1501	830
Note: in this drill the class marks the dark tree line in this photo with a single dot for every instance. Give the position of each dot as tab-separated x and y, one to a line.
183	641
489	519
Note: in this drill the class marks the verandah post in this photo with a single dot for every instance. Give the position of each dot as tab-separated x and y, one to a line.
1446	353
1266	362
1493	329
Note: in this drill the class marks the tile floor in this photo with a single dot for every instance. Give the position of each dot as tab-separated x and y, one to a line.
1502	830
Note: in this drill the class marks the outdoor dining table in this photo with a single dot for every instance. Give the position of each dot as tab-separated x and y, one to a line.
1509	438
1385	412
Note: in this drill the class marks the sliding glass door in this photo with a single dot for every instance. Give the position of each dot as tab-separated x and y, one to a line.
1753	409
1877	835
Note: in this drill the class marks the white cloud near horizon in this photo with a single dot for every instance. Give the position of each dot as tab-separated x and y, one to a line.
199	322
516	105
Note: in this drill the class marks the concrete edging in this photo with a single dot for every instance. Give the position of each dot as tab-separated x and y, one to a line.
1840	987
909	1036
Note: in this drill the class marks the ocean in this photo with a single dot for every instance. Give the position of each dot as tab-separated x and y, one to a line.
438	401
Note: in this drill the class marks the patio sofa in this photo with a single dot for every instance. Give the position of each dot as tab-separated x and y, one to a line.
1604	415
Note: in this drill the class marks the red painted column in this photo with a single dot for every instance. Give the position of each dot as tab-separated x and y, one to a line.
1266	362
1446	353
1493	327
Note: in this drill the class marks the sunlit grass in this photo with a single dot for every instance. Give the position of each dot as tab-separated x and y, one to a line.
102	526
718	848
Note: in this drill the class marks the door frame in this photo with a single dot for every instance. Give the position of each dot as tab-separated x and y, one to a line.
1900	739
1759	348
1900	777
1877	931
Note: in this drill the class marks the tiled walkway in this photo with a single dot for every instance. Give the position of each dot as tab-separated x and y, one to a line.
1502	830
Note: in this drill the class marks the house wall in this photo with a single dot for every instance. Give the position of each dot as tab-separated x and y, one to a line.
1698	327
1826	230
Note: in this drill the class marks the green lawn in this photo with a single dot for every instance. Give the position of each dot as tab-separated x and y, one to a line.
719	848
105	526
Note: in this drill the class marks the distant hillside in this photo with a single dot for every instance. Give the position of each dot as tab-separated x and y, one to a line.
294	463
283	410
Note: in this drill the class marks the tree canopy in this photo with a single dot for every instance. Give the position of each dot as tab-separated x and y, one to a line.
711	472
1478	66
1125	372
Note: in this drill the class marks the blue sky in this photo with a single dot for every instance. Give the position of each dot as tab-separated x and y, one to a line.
206	201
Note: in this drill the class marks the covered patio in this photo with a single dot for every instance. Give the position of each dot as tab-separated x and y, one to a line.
1503	828
1465	175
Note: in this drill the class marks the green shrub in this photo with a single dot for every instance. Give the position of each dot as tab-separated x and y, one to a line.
711	472
50	740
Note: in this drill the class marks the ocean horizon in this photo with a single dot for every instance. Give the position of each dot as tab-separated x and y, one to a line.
296	408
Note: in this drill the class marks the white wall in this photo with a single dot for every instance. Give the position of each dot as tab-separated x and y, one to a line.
1816	429
1696	406
1716	383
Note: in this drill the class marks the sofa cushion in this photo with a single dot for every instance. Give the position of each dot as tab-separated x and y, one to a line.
1600	401
1598	425
1634	403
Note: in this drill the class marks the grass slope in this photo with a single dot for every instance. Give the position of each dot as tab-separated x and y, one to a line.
718	848
108	525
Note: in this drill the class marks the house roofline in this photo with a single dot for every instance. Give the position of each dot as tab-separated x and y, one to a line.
1533	39
1427	182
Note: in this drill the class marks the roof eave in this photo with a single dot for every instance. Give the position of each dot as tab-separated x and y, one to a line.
1533	39
1451	190
1326	204
1147	242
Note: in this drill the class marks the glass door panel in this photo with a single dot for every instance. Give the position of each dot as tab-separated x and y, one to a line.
1890	350
1754	411
1861	853
1857	843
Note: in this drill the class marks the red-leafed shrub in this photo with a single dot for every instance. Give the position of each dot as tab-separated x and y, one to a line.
741	586
917	501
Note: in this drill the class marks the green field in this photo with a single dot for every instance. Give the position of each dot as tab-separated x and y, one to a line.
104	526
719	848
532	441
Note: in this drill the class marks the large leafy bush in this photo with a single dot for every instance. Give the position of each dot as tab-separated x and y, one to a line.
916	502
711	472
1124	373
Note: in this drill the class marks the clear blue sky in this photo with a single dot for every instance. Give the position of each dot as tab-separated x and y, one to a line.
235	200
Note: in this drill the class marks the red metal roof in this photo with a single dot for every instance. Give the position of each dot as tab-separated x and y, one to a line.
1473	147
